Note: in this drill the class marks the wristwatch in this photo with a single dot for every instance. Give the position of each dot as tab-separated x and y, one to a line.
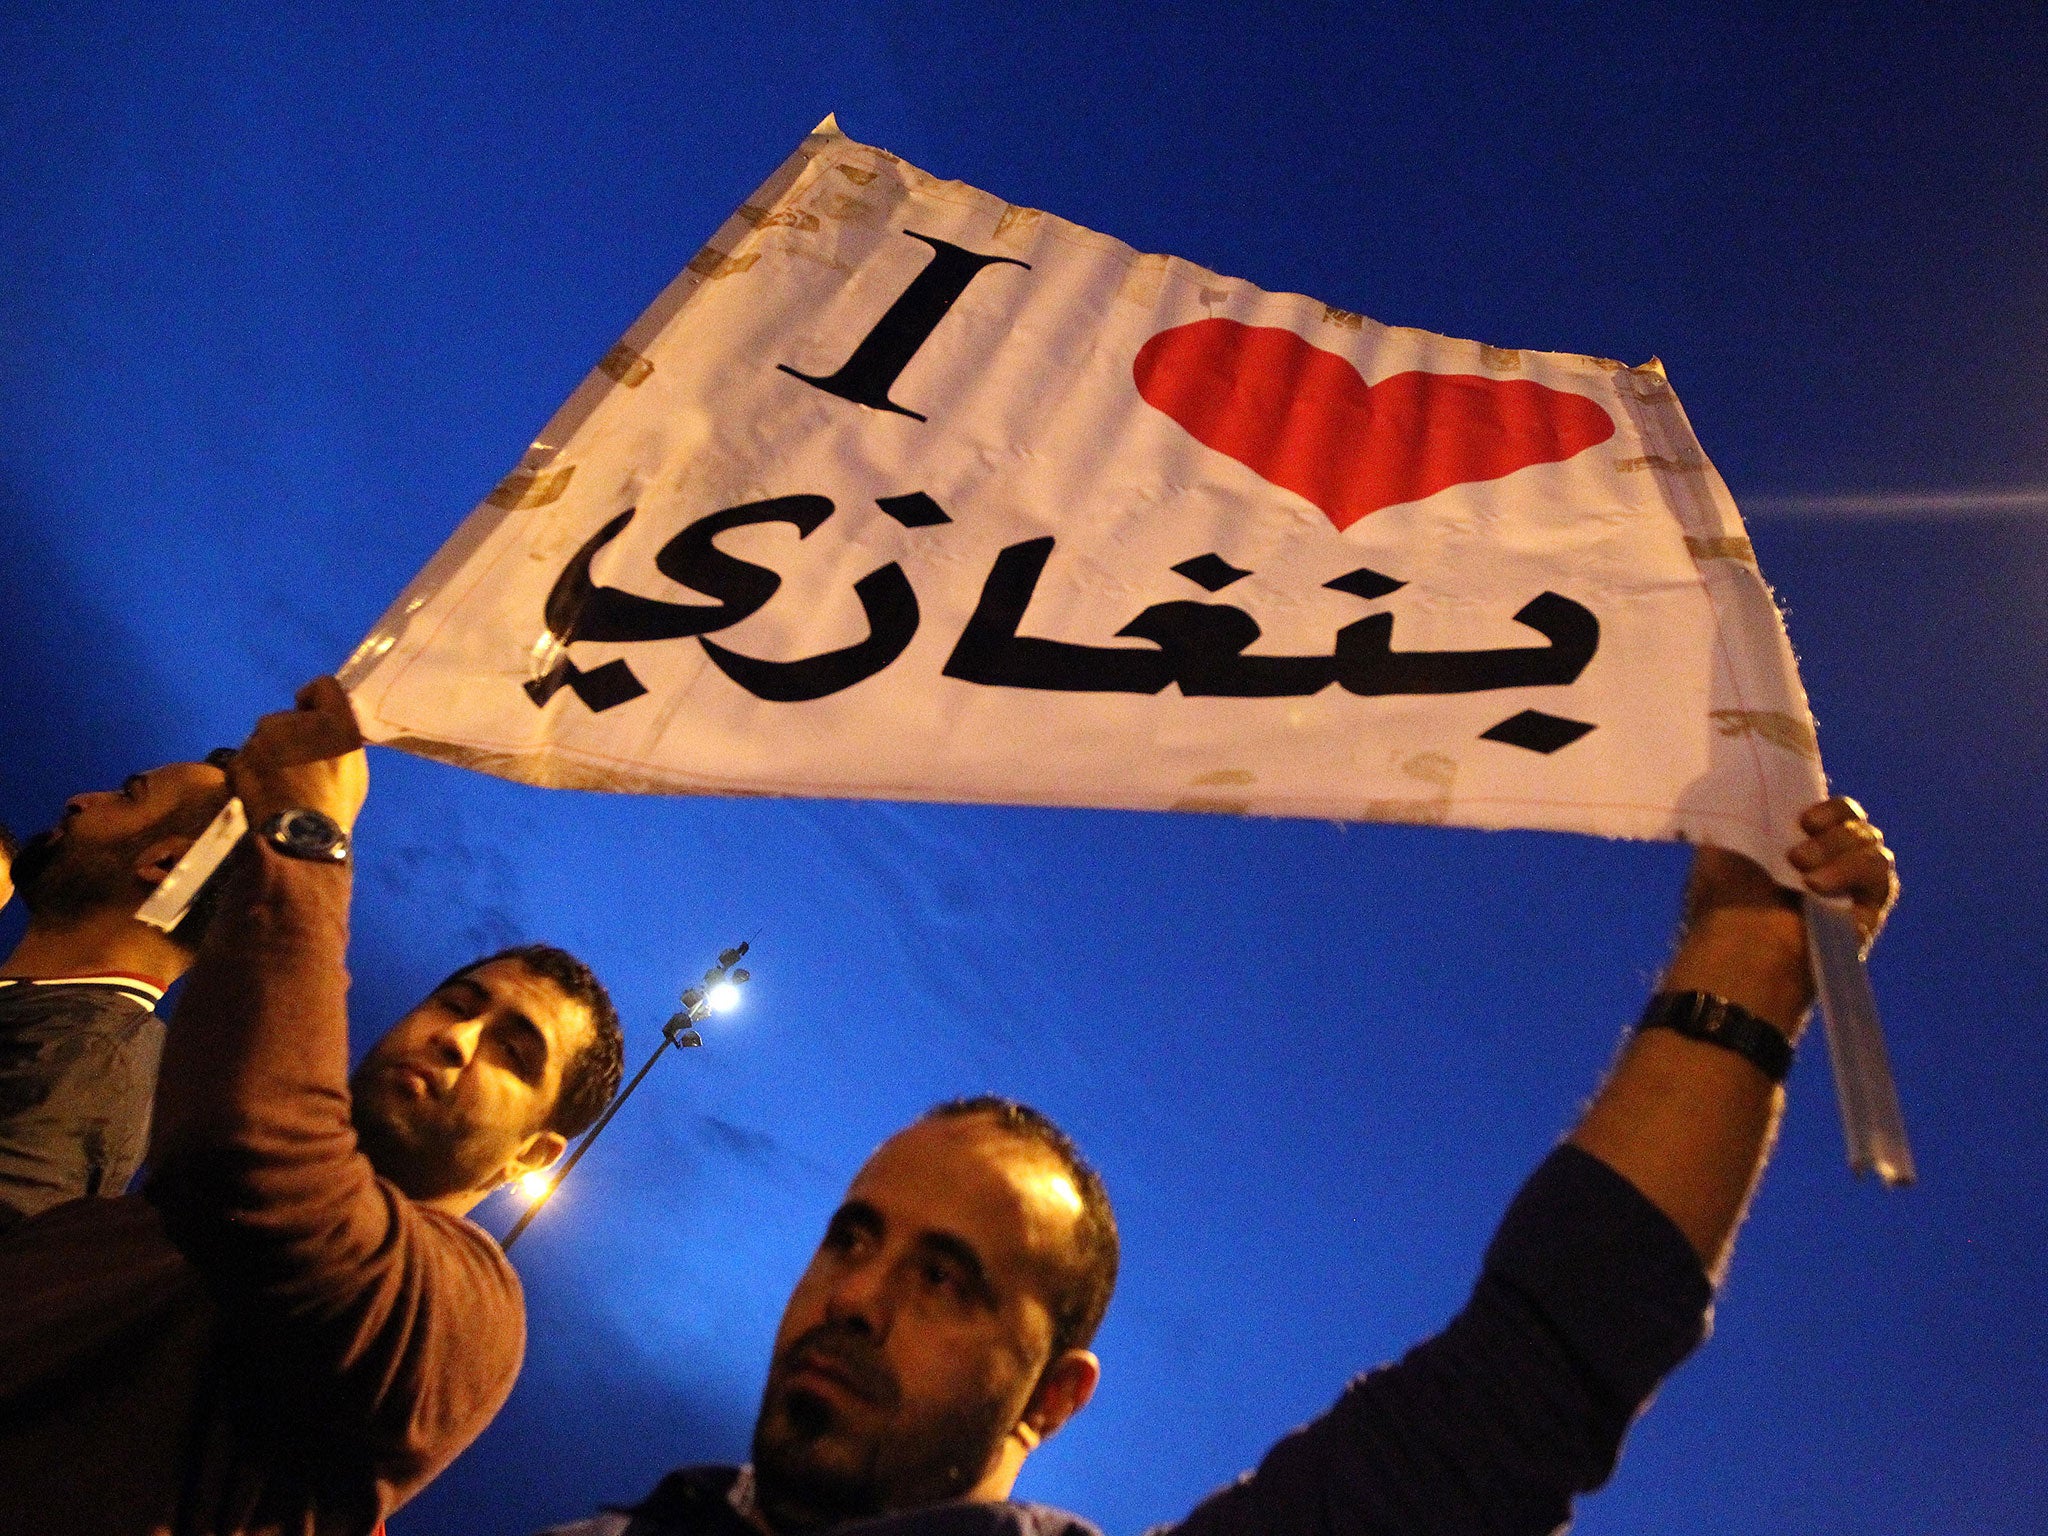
1704	1016
304	834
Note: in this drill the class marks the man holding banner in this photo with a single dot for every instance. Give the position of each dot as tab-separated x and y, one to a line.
293	1328
79	1036
941	1332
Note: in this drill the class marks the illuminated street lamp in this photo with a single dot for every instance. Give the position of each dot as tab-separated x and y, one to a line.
719	993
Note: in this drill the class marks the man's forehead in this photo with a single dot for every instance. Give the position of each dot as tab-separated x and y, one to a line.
969	1175
186	778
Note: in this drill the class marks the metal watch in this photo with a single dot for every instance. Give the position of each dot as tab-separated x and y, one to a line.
306	834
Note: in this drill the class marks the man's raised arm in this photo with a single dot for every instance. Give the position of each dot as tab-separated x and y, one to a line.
1688	1122
1599	1280
374	1329
261	1047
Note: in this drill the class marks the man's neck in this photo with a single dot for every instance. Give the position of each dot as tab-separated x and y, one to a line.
106	943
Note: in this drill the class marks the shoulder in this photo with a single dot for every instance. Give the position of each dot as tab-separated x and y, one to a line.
684	1498
465	1281
420	1348
429	1330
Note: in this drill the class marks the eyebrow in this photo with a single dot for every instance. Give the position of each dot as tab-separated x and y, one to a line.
472	990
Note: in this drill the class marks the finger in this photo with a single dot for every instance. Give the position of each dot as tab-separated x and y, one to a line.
1831	812
325	696
270	729
1833	844
327	701
318	694
336	704
302	737
1868	876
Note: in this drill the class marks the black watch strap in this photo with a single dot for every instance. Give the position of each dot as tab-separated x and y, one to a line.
1703	1016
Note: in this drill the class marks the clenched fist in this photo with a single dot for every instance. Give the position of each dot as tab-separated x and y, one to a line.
310	757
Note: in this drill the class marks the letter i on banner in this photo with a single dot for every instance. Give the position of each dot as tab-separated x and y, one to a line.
865	377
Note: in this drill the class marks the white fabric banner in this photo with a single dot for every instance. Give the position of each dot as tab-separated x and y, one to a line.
903	491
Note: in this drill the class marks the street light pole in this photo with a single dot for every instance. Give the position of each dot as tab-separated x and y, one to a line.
718	994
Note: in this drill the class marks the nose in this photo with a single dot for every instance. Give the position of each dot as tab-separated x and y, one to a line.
859	1300
454	1043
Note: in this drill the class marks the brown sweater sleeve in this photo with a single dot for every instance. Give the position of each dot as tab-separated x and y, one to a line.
366	1339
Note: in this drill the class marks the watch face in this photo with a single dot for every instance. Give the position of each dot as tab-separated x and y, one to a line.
308	834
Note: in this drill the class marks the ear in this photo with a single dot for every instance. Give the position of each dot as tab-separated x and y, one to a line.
1063	1391
538	1151
160	858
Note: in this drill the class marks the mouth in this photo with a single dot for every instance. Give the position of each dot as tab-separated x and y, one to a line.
412	1082
811	1371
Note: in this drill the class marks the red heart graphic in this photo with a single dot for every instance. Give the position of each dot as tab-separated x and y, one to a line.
1305	420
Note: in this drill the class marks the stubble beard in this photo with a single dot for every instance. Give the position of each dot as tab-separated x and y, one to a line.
60	881
813	1470
425	1162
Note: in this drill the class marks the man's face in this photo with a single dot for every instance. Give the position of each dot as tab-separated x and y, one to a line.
913	1341
90	858
459	1088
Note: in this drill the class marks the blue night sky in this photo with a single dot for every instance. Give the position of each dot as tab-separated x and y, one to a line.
286	294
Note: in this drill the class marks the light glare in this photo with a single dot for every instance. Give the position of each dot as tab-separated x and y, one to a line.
723	998
534	1185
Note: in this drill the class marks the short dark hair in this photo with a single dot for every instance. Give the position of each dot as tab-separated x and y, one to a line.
591	1076
1081	1297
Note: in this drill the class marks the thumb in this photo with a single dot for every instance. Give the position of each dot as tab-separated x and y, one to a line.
326	697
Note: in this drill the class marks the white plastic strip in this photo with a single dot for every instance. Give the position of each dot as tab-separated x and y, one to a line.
171	900
1872	1123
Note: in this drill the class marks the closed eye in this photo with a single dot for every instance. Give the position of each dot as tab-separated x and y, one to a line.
462	997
